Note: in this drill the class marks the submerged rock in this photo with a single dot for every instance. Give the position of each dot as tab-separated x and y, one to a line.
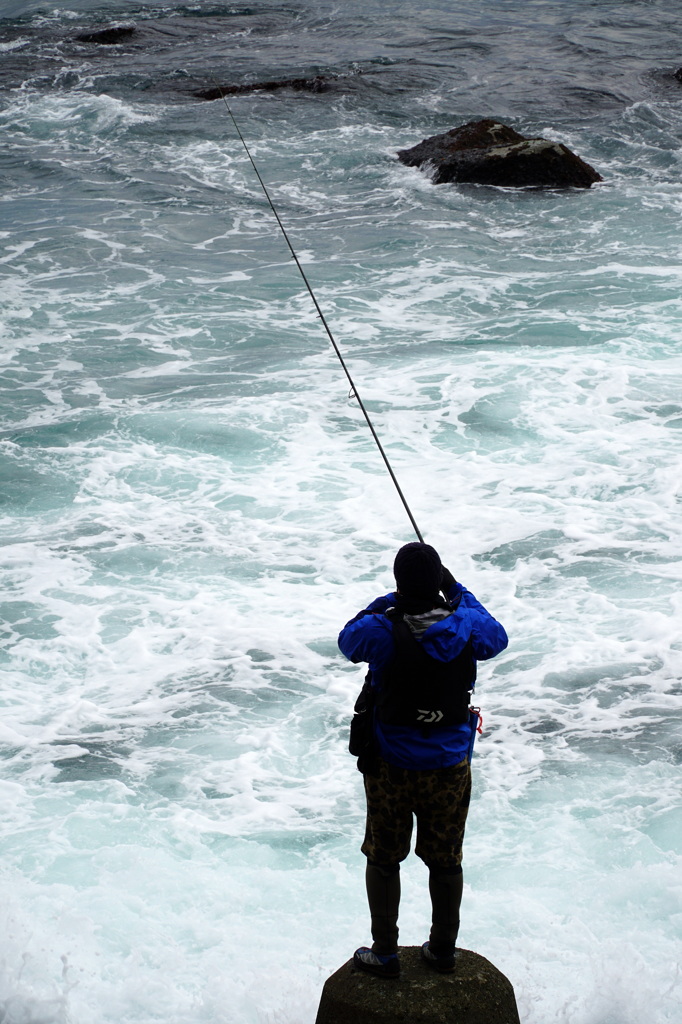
678	74
108	36
317	84
490	153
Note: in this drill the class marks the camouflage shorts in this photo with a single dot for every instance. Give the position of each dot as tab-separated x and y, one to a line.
438	798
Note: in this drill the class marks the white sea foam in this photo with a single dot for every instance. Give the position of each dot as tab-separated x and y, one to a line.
13	44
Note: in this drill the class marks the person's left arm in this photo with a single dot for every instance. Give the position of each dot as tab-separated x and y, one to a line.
368	632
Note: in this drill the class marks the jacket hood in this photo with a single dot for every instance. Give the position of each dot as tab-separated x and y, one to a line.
447	638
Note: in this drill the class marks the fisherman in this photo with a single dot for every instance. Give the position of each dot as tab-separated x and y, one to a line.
422	651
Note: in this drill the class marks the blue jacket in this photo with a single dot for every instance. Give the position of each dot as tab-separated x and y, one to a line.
369	637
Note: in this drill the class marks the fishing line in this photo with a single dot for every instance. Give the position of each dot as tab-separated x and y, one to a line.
353	389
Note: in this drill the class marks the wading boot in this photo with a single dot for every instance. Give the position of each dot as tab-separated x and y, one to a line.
445	889
383	896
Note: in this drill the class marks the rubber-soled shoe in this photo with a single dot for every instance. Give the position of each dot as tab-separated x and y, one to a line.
385	966
445	963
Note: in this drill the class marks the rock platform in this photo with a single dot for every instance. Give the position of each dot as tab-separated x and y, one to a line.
476	993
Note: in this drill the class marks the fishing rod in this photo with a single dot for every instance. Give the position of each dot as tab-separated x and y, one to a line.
353	389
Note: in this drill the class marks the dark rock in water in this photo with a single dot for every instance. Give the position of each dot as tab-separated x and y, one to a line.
678	74
476	993
489	153
108	36
316	84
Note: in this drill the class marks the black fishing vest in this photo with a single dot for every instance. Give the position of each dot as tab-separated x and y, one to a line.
419	691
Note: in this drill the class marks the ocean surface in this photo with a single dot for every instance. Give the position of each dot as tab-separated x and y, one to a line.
192	504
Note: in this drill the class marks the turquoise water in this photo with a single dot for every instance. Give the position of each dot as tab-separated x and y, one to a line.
192	505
